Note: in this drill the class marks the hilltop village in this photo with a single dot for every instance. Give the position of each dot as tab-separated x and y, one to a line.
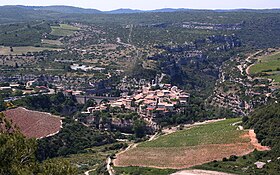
148	102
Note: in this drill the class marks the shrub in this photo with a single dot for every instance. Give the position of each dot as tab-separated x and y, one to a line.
233	158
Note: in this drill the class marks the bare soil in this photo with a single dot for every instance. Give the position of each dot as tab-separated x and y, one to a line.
33	124
178	158
185	157
255	143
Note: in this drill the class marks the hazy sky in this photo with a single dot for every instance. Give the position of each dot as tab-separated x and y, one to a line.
151	4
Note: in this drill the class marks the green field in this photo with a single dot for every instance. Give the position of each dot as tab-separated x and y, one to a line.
190	147
275	77
63	30
269	66
22	50
51	42
214	133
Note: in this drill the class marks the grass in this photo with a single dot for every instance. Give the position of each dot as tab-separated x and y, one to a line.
51	42
214	133
22	50
142	170
93	158
63	30
85	161
187	148
265	65
68	27
275	77
269	66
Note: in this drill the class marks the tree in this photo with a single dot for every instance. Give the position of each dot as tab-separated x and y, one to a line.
18	93
245	119
58	98
2	107
123	107
90	103
104	101
16	65
56	167
17	155
133	103
139	127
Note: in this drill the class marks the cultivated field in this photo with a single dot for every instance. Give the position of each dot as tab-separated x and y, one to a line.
34	124
51	42
22	50
63	30
269	66
190	147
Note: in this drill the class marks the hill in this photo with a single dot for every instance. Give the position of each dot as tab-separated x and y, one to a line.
12	14
266	123
123	11
34	124
190	147
267	67
28	11
66	9
171	10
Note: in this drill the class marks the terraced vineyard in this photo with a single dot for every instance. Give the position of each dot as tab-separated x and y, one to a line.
189	147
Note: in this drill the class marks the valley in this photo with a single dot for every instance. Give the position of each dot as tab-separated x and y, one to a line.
139	92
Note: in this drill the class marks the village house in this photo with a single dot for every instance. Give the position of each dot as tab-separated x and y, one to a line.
150	103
